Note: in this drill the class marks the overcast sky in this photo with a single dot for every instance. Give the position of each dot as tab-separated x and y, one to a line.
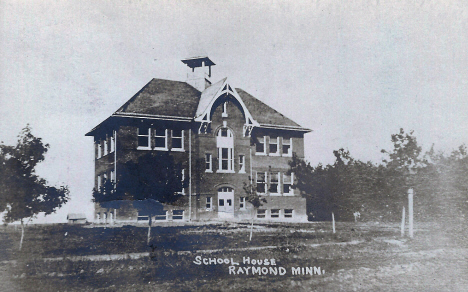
354	72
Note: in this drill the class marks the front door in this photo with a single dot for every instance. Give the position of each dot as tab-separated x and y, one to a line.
225	202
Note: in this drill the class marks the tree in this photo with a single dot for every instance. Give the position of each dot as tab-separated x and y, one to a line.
153	179
23	194
255	199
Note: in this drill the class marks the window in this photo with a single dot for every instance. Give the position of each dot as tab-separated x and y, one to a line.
225	144
142	217
161	216
287	182
261	213
208	203
287	149
242	202
182	192
99	182
105	147
242	163
224	114
143	138
99	150
208	162
260	146
112	144
275	213
274	183
177	214
160	140
288	213
261	182
112	176
274	149
177	139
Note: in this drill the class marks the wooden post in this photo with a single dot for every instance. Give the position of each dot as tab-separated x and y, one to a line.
410	212
333	221
403	222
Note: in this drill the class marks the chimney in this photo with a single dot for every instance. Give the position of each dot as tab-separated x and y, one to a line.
199	75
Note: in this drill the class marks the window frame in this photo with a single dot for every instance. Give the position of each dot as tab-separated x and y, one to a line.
209	203
156	136
112	144
264	147
148	135
291	190
99	149
288	214
278	187
210	162
106	148
265	182
241	163
225	142
182	149
290	149
242	205
277	153
224	114
275	214
261	216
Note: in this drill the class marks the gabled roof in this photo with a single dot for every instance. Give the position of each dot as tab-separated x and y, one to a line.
179	101
264	114
163	98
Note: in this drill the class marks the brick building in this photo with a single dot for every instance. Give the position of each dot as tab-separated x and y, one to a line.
222	135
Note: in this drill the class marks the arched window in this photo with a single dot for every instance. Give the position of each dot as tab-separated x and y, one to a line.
225	144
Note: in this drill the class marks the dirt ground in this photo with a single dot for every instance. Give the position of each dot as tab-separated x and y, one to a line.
360	257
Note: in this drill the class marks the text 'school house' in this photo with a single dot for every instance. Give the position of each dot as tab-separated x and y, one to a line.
237	137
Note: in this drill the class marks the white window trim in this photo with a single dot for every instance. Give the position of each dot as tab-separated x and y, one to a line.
224	113
266	182
291	190
284	214
112	144
278	193
264	148
99	182
211	204
277	153
279	214
165	140
266	214
106	148
242	201
230	160
211	162
149	139
289	154
99	150
172	137
241	166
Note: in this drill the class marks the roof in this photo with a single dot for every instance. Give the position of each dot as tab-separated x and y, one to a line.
76	216
264	114
179	101
197	61
164	98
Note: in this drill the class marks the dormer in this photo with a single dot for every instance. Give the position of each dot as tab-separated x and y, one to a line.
199	75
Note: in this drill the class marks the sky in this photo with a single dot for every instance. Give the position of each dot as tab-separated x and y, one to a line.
353	71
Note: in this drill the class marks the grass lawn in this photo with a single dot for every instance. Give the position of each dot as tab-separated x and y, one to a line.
360	257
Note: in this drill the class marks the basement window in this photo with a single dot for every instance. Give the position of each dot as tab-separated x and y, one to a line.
288	213
275	213
177	214
261	213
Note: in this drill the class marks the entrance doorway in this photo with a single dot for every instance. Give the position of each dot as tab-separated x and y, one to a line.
225	202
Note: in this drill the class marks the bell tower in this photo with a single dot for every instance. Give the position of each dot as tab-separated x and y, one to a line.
199	75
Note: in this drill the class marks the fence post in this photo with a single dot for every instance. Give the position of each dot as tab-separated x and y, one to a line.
333	220
403	222
410	212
